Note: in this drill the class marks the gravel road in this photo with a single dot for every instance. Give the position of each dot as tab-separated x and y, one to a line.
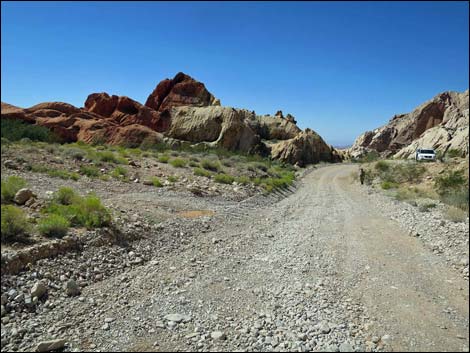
323	269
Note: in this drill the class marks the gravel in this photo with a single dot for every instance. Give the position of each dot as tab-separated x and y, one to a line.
292	271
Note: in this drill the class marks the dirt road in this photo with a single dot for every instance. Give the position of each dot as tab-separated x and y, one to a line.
322	269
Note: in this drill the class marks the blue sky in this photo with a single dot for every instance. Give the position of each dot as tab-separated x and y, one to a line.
339	67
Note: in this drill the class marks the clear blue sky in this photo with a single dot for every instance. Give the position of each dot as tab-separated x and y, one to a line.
340	68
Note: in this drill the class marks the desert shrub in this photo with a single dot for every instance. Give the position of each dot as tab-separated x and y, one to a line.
172	178
193	164
174	153
110	157
65	196
382	166
386	185
455	214
243	180
213	166
426	206
285	180
268	188
83	211
457	198
453	152
92	213
202	172
63	174
178	162
452	180
194	159
156	182
53	225
15	130
10	187
54	173
410	172
404	194
52	148
104	177
261	166
119	172
227	163
14	223
90	171
75	153
163	158
224	178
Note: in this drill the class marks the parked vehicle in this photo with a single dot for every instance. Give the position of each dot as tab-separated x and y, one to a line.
427	154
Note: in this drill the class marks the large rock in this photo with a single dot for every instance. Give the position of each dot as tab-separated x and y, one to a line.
52	345
180	111
39	289
275	127
125	111
22	196
441	123
182	90
306	148
220	126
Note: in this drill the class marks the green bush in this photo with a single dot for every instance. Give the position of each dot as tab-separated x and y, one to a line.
453	152
156	182
15	130
425	207
210	165
83	211
452	180
53	225
285	180
193	164
173	178
382	166
178	163
110	157
386	185
243	180
202	172
410	172
75	153
163	158
63	174
224	179
119	172
54	173
90	171
66	196
10	187
14	223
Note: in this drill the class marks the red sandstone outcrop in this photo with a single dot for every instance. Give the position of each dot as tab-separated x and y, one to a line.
182	90
178	110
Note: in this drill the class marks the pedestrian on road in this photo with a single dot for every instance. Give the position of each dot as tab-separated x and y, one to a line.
362	175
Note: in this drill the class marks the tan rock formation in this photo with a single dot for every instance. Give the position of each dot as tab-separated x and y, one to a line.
434	124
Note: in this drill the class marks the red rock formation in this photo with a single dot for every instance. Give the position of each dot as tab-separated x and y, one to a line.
126	111
182	90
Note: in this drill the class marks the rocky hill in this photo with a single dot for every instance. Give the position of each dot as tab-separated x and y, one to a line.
441	123
178	110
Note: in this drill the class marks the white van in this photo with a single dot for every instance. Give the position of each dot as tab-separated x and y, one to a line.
427	154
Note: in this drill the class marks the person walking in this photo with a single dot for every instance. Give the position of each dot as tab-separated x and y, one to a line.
362	175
